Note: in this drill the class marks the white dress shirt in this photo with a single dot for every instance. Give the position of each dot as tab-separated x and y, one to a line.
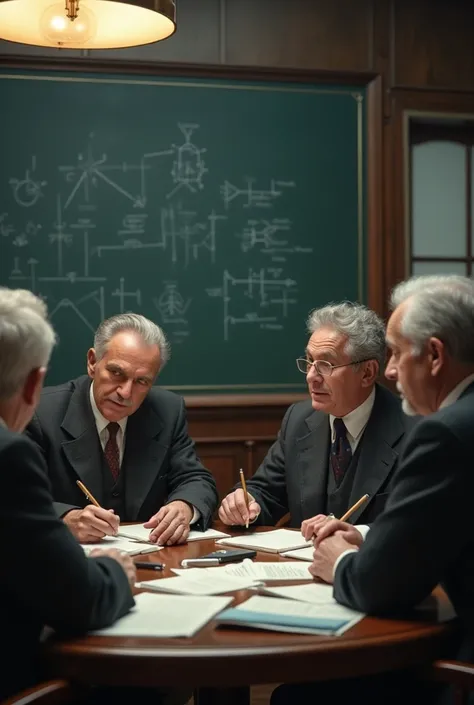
2	423
449	399
102	423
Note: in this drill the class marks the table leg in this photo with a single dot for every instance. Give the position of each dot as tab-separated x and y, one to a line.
222	696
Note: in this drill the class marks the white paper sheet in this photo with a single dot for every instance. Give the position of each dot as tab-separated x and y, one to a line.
166	616
200	582
302	554
131	547
138	532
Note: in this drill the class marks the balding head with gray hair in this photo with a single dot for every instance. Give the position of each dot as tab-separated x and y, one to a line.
26	338
439	306
364	330
149	332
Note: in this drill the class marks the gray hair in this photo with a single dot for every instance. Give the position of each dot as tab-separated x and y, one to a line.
26	338
364	330
149	332
440	306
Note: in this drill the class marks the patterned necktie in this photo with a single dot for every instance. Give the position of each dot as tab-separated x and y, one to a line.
111	450
341	452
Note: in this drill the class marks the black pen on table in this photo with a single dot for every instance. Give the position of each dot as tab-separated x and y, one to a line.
145	565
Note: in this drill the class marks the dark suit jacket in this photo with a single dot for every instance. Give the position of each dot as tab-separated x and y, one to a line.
425	535
293	476
46	578
160	463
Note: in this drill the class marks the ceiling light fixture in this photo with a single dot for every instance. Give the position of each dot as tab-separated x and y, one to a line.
87	24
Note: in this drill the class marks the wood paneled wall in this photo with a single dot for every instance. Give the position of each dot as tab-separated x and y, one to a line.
419	55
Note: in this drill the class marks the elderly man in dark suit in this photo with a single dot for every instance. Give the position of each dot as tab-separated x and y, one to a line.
53	583
406	552
337	446
125	440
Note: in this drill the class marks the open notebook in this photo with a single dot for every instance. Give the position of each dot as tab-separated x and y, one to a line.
272	541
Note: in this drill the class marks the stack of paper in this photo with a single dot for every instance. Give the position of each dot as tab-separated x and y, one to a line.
133	548
273	541
256	571
284	615
137	532
200	582
166	616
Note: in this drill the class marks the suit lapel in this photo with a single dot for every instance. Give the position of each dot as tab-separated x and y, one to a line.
312	464
83	451
377	455
143	458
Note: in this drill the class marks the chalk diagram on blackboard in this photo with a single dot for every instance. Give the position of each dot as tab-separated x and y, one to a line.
27	190
172	230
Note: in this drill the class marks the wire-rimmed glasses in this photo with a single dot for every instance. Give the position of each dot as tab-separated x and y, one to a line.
322	367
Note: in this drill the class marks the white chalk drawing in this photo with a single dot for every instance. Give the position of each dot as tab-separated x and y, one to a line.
188	166
160	218
265	289
180	235
90	171
172	308
171	305
84	225
73	308
254	197
23	238
123	295
6	228
60	236
27	191
265	236
16	272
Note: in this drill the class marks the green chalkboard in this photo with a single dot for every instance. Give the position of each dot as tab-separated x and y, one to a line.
223	210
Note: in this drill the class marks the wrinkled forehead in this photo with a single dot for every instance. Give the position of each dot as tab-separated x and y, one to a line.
326	343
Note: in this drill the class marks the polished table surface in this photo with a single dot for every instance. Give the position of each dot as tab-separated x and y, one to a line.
229	658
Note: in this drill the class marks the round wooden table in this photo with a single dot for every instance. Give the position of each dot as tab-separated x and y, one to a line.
223	662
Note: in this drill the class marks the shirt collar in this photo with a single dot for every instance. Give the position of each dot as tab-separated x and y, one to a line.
455	393
356	420
100	421
2	423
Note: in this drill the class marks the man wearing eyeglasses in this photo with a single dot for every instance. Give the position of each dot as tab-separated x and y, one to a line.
340	444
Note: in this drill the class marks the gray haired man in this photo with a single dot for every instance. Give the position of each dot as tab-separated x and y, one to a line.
337	446
406	553
125	440
55	584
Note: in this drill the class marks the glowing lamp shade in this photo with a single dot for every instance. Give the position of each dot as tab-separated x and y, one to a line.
87	24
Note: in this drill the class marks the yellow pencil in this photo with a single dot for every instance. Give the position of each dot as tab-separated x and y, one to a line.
89	496
246	494
354	507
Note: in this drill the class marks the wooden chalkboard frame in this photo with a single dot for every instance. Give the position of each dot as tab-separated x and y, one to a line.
370	82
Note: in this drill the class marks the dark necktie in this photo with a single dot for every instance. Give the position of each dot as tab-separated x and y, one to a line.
111	450
341	452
